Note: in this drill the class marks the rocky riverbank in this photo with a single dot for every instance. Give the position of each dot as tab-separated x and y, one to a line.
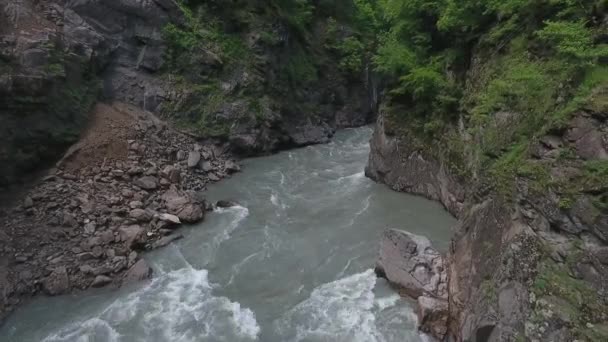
125	188
532	267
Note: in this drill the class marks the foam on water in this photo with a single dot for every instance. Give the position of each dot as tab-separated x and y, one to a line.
177	306
337	311
240	214
94	329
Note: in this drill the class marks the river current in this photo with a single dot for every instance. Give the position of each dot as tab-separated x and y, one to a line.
292	262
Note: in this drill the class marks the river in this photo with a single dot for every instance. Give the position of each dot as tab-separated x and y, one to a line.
292	262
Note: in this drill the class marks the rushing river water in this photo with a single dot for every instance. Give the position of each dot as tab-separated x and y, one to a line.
292	262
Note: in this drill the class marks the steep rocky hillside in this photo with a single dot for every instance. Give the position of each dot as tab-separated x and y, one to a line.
262	76
499	112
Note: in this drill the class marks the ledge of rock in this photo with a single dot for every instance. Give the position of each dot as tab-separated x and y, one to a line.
410	263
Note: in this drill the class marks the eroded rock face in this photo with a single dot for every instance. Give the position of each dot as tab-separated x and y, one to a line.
404	168
511	262
410	263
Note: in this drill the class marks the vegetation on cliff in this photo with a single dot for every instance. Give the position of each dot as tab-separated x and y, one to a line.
265	59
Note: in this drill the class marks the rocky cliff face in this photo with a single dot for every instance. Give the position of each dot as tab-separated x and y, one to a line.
532	268
58	57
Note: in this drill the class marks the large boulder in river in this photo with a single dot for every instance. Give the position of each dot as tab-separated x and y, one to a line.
183	206
412	264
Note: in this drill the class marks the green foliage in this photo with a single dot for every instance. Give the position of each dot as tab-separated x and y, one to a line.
352	53
572	41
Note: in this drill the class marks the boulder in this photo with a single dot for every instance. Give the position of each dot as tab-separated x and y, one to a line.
231	166
170	218
193	159
132	235
140	215
165	240
172	174
183	206
139	271
433	316
412	264
206	166
101	280
225	204
146	183
57	283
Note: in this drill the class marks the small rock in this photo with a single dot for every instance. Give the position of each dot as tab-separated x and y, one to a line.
135	204
28	202
132	235
231	166
166	240
140	215
146	182
206	166
170	218
193	159
139	271
57	283
101	280
225	204
90	227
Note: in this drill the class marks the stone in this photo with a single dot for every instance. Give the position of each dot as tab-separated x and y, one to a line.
183	206
231	166
410	262
140	215
146	182
135	204
28	202
193	159
57	283
433	316
172	174
69	220
132	235
138	272
165	240
170	218
101	280
206	166
90	227
225	204
213	177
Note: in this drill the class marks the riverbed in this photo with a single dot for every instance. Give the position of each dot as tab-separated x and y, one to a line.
293	261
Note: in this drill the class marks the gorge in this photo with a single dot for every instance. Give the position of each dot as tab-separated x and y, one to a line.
121	119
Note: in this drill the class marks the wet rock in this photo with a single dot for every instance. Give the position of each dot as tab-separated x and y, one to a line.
433	316
139	271
170	218
146	182
57	283
225	204
411	263
132	235
183	206
101	280
231	166
166	240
